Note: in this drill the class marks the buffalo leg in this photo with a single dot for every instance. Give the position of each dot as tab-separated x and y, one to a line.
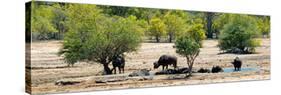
114	68
119	70
175	65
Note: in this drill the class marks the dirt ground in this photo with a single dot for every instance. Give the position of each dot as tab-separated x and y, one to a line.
47	68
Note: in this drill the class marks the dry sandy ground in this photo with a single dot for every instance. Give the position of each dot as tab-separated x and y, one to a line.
48	67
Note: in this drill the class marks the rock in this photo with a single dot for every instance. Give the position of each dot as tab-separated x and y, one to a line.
110	80
140	78
167	71
142	72
183	70
63	83
173	71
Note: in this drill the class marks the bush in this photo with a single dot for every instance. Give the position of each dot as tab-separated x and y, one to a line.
239	35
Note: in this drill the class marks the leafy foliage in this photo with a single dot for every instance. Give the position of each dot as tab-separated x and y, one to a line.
41	21
263	23
59	19
175	24
239	35
157	28
197	32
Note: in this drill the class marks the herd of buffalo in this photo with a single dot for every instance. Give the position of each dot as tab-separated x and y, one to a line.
166	60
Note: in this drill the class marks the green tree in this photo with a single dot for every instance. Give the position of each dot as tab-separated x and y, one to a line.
41	21
157	28
59	19
189	48
263	23
96	37
174	25
82	22
239	34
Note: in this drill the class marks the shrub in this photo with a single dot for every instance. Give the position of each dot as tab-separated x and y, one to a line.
239	35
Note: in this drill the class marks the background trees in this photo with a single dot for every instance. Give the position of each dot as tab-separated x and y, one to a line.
59	19
50	21
41	24
175	25
238	35
263	23
157	28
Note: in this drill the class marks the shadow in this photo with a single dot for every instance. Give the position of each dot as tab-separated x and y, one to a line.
221	53
58	67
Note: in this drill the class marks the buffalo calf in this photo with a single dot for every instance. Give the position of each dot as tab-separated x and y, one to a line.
118	61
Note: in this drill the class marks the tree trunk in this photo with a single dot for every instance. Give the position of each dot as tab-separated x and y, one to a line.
209	18
190	70
157	39
170	38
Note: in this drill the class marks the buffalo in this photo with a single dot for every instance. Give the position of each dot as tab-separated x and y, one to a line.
237	63
202	70
166	60
216	69
118	61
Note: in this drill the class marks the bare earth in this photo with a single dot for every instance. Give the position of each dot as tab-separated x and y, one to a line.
47	68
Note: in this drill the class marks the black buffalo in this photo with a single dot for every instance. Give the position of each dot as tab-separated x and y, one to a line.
216	69
118	61
166	60
237	63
